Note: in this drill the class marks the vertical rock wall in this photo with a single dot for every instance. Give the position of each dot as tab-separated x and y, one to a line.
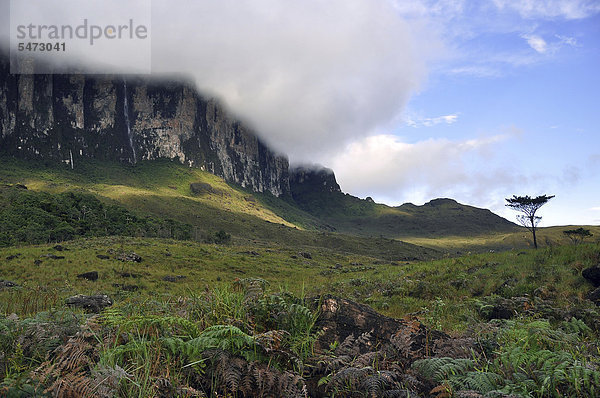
52	116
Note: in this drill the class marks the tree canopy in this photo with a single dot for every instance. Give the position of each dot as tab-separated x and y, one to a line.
528	206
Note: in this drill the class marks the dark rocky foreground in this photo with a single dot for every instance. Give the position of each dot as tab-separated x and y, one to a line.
356	347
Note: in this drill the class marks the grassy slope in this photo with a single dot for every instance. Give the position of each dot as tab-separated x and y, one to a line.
162	188
438	218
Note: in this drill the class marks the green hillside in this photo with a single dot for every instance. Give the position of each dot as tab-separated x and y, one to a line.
437	218
161	189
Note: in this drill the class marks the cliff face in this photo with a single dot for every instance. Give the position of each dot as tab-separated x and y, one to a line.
64	117
317	180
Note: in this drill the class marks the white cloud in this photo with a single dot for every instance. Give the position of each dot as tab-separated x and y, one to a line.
476	70
595	208
550	9
415	121
309	76
569	41
540	45
385	167
537	43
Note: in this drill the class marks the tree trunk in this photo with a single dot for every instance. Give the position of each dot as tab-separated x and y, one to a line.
534	239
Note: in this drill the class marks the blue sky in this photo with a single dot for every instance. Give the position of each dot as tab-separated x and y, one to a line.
522	84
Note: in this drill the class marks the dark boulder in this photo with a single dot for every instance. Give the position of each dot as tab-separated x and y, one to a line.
95	303
90	276
592	274
7	284
102	257
133	257
340	318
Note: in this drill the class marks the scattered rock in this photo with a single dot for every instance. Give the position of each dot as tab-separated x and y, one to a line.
356	264
103	256
53	256
293	256
37	262
13	256
90	276
129	257
20	186
6	284
59	248
171	278
306	255
592	274
94	303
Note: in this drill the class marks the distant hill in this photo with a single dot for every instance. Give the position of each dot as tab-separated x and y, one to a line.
317	192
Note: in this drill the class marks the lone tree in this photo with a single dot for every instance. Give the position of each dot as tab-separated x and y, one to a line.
528	206
578	235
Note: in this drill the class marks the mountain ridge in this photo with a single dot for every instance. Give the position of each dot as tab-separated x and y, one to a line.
69	118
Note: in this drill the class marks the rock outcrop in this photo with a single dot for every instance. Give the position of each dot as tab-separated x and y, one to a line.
93	304
312	180
69	117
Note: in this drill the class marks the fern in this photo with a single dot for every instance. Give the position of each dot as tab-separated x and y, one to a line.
441	369
459	374
225	337
235	376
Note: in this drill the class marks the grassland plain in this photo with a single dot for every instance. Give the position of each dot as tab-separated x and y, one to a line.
180	321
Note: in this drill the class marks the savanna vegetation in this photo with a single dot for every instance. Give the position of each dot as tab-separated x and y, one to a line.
245	304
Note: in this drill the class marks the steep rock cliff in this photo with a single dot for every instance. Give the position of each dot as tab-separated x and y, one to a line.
66	117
